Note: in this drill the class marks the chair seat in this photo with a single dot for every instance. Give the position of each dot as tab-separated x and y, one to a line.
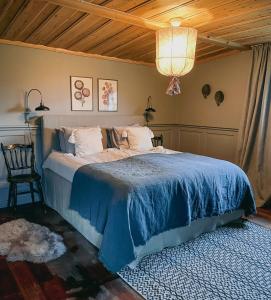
24	178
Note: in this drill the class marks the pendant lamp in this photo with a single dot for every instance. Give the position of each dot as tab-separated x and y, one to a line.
175	52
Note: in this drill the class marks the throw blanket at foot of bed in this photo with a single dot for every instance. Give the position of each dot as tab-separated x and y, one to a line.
128	201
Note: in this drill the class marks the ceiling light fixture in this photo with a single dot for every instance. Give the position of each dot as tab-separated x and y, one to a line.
175	52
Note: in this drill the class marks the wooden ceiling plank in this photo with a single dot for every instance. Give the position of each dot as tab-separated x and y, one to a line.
234	17
258	40
83	28
253	31
5	6
102	33
36	19
222	54
210	52
8	13
24	18
126	36
109	39
192	9
146	54
59	18
239	22
31	38
87	42
110	3
76	53
156	8
137	49
64	24
62	35
21	8
118	49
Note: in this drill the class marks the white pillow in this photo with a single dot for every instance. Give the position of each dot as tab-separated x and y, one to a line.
87	140
139	138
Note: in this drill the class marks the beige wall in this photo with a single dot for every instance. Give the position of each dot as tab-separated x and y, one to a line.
24	68
229	74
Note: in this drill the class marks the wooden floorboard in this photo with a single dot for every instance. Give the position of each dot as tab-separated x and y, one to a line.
77	274
26	282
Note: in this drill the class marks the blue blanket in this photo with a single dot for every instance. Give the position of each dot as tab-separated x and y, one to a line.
130	200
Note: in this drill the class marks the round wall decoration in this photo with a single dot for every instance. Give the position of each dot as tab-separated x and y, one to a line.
219	97
206	90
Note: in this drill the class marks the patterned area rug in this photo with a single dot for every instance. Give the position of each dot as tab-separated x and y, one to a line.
233	262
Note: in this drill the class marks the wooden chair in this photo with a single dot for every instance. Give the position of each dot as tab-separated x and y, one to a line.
157	140
20	163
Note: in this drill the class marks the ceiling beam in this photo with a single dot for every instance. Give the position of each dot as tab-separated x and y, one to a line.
130	19
109	13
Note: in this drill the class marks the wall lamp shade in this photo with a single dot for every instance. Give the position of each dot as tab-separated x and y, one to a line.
42	107
175	50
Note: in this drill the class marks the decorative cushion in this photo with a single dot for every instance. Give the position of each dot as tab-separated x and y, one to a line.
87	140
64	134
119	139
139	138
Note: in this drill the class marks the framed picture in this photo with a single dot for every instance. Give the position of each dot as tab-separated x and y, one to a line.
81	93
107	95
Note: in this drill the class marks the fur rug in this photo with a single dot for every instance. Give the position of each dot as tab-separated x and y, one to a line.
22	240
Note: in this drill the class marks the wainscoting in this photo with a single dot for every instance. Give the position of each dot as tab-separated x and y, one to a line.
216	142
10	135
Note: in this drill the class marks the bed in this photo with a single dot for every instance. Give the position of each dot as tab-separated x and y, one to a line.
106	218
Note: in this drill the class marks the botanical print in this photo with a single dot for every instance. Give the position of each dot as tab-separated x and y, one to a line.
81	93
108	94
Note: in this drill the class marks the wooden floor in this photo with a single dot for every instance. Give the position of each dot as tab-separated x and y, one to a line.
76	275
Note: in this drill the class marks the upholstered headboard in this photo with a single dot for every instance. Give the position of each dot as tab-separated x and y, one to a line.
50	122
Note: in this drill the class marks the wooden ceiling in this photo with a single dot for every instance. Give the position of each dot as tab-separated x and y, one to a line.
125	29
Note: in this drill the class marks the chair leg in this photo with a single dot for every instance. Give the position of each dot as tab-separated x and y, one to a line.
14	196
9	194
32	192
41	195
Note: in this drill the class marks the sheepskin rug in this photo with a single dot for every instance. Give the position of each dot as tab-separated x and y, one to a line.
22	240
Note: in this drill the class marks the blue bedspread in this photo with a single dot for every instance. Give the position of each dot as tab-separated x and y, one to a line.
133	199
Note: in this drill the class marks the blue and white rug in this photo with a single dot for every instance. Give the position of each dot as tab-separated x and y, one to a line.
233	262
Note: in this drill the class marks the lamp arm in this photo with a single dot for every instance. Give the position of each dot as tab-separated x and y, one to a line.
32	90
27	109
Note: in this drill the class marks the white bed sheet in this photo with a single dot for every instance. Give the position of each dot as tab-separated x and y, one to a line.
66	164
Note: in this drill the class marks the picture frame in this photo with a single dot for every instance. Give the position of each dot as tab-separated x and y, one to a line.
81	93
107	95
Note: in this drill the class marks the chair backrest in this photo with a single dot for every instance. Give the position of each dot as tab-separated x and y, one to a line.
157	140
19	157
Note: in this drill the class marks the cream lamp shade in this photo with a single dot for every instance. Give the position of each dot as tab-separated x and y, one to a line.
175	49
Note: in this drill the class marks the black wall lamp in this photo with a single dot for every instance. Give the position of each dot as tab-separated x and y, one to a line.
149	110
41	106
